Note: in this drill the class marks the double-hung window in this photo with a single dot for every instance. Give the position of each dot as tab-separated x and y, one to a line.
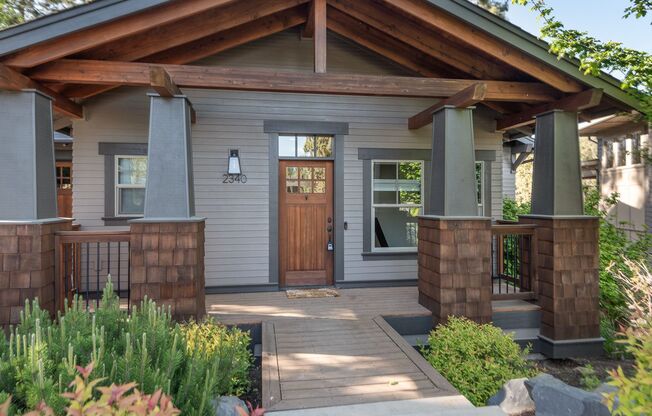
397	202
130	181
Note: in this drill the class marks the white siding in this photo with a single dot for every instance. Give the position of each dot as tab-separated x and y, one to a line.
237	214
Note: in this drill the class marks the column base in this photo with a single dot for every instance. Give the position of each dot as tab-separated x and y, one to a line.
27	265
571	348
455	267
167	265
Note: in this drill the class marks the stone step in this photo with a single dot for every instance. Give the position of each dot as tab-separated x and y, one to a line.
525	336
515	314
434	406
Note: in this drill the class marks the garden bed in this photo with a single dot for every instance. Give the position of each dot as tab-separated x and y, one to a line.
570	370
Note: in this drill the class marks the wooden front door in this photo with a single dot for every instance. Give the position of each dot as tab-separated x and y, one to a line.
305	223
64	188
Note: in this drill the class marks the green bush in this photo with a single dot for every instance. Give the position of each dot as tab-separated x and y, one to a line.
476	359
39	361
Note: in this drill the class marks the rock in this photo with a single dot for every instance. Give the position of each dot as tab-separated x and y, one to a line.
513	398
553	397
605	389
227	406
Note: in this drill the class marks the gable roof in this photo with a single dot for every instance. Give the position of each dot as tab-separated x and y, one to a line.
103	11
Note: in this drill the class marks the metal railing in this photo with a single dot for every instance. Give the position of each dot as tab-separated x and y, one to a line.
85	260
513	255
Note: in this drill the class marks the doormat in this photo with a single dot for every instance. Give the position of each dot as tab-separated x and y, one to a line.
312	293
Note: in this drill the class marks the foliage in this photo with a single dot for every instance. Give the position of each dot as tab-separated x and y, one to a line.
476	359
512	209
635	392
210	338
589	378
13	12
497	7
146	347
595	56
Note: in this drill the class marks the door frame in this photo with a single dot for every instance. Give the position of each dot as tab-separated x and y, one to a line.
338	130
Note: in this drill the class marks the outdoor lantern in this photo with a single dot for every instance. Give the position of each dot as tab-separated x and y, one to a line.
234	162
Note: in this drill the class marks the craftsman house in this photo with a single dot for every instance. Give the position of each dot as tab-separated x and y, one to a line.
232	145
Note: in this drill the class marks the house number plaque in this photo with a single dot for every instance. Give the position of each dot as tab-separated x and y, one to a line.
231	178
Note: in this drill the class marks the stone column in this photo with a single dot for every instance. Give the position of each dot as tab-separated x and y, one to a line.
454	242
167	244
567	242
28	208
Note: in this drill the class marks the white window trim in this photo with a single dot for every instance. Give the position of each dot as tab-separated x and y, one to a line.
375	249
117	185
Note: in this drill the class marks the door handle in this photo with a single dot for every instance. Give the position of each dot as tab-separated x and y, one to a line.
329	228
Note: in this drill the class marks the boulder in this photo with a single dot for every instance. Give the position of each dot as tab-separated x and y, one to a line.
553	397
605	389
513	398
227	406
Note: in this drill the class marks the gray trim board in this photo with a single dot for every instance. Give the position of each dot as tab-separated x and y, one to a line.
365	153
338	130
110	150
69	21
212	290
590	347
375	255
306	127
376	283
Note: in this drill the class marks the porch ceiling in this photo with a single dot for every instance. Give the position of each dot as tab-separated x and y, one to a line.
429	38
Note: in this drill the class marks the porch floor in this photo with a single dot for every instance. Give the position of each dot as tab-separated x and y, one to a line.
325	352
352	304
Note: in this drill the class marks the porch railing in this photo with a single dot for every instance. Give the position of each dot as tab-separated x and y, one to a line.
85	260
513	255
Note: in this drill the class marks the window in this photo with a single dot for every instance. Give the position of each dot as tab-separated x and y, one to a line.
64	175
305	180
622	153
608	154
635	149
397	202
130	179
305	146
479	178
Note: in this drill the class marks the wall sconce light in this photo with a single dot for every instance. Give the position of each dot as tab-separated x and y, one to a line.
234	162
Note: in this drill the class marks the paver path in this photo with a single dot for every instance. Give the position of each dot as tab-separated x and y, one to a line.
310	363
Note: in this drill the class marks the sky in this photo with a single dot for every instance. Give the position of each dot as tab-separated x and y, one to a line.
601	18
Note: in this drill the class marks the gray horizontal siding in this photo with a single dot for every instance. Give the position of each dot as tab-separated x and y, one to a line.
237	214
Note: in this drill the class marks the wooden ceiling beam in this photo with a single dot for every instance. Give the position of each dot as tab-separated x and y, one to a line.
162	83
15	81
113	31
210	45
388	47
191	76
465	98
190	29
423	39
577	102
320	36
309	29
501	50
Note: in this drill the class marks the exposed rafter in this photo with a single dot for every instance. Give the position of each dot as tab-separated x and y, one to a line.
15	81
577	102
162	83
137	74
423	40
118	29
465	98
309	29
500	50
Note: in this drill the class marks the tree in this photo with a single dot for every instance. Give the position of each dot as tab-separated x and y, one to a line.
13	12
497	7
594	55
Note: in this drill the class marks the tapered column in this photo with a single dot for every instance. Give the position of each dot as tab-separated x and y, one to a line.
454	242
167	245
567	242
28	207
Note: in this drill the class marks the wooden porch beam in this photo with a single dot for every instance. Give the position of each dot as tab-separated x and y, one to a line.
309	29
15	81
320	36
118	29
162	83
424	12
191	76
465	98
577	102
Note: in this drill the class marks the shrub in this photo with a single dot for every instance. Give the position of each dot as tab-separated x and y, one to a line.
476	359
39	361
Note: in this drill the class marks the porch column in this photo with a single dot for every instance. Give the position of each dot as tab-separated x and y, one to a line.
28	205
167	244
567	242
454	242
